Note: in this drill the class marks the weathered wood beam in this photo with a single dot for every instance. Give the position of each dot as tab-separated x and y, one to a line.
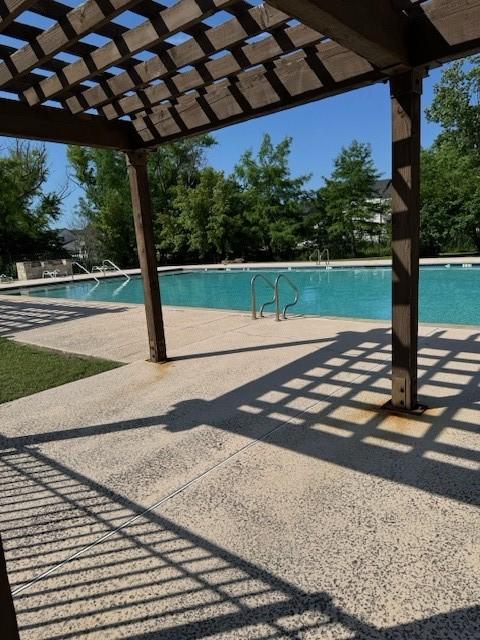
271	48
215	39
406	90
7	610
442	30
326	70
28	33
11	9
77	23
371	28
143	218
18	120
180	16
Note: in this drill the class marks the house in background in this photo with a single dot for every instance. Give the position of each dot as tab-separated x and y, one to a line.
73	241
381	217
384	190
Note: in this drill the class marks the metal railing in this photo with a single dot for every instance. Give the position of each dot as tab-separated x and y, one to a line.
108	265
319	254
254	295
276	296
77	264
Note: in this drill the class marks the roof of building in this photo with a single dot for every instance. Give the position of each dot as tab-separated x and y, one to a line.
384	188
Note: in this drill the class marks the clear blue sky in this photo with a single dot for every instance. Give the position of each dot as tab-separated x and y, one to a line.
318	130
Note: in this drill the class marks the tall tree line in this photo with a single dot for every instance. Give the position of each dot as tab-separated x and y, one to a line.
451	166
259	211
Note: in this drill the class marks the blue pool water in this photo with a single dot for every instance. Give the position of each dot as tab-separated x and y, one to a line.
447	295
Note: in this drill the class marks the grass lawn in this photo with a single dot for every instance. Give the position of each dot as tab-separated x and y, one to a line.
25	369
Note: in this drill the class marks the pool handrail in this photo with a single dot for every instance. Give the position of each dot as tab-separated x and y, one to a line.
77	264
277	296
324	252
254	295
108	265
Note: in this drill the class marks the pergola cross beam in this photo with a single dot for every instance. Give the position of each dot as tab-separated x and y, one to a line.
371	28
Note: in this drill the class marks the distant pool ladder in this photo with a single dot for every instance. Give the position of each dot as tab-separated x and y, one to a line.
80	266
275	286
108	265
319	257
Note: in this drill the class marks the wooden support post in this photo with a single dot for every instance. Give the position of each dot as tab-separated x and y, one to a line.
142	215
406	90
8	619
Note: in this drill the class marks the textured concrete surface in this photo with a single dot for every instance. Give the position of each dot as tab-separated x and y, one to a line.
250	488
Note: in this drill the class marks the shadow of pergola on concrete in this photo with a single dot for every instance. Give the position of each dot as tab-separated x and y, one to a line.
85	561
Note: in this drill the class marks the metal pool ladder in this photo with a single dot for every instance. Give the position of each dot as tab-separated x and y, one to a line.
276	296
108	265
319	254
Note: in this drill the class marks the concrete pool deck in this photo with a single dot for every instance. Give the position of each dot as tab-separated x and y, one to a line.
250	488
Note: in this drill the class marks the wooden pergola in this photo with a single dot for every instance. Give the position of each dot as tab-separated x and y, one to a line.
192	66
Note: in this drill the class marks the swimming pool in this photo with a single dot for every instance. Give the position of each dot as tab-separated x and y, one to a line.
447	295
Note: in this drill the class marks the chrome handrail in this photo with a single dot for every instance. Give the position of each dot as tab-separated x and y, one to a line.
108	265
254	295
277	297
124	273
324	252
77	264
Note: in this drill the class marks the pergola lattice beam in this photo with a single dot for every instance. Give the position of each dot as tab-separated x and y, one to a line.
283	42
76	24
223	36
11	9
319	72
371	28
169	21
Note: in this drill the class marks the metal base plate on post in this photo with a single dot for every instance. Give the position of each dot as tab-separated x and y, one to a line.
418	410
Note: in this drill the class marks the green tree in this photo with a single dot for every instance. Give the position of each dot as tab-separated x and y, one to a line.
350	199
450	218
26	211
456	107
314	228
450	195
274	201
175	166
211	215
106	203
